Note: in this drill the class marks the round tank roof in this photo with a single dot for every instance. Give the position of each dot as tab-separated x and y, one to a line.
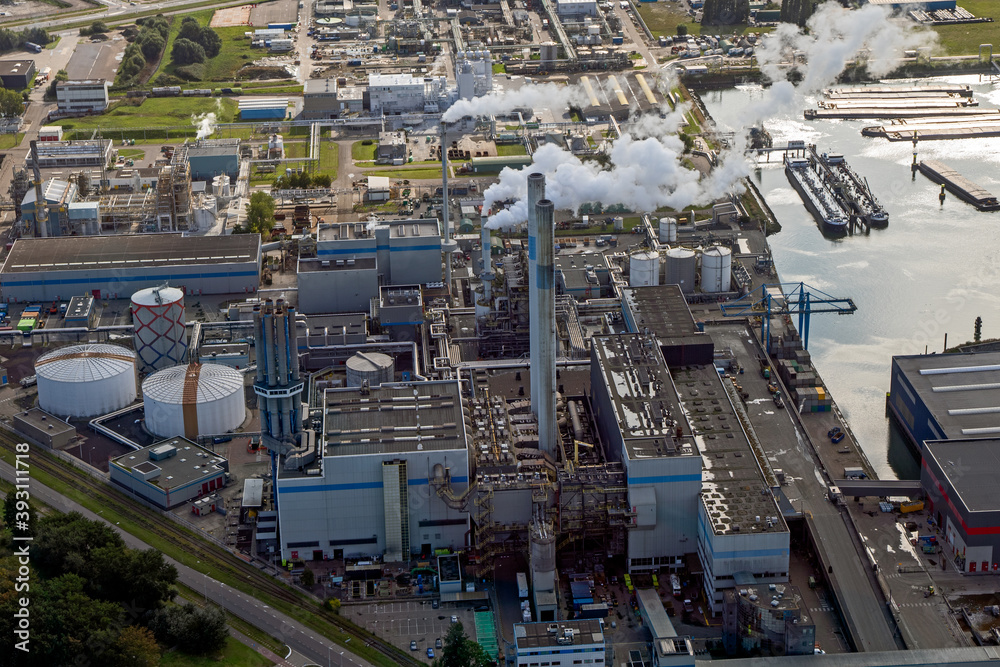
680	253
718	250
157	296
85	363
369	361
194	383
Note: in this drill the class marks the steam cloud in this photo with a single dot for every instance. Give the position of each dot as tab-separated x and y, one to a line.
548	95
836	37
205	123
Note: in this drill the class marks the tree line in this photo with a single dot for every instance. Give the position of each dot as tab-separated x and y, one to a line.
95	601
146	47
11	40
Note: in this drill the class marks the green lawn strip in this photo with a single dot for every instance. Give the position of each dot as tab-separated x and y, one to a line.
329	158
511	149
963	39
233	654
128	523
131	153
53	41
10	140
156	112
363	151
417	173
663	19
296	149
236	50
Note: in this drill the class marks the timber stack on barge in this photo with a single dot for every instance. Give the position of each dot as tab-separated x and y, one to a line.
984	124
959	185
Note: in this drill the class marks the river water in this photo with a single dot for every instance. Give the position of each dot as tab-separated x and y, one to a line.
930	273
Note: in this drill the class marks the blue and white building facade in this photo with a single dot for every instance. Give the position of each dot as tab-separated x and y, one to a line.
405	251
370	494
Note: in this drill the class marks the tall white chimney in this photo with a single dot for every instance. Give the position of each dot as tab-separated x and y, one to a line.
543	355
536	193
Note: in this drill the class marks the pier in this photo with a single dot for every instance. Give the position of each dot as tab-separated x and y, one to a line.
959	185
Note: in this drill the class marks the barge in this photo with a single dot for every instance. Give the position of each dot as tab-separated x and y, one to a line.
819	200
853	191
959	185
899	91
982	125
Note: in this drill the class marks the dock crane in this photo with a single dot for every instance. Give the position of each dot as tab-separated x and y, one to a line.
786	299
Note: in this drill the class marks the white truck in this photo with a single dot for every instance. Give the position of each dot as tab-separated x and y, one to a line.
522	585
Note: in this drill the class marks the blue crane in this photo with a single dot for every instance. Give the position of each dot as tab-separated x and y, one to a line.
786	299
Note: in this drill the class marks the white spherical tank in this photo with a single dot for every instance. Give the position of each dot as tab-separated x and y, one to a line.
160	337
716	269
374	367
194	400
668	230
680	268
644	269
86	380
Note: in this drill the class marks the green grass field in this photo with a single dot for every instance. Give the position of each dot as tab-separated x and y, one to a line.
511	149
236	51
156	112
10	140
361	151
407	174
131	153
662	19
964	40
234	654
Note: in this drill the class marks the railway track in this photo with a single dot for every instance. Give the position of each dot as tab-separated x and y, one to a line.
258	583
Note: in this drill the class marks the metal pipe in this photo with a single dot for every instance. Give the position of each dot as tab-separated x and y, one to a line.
543	363
536	192
574	416
258	332
293	347
281	346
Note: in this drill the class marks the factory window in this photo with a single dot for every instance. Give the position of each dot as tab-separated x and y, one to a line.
437	536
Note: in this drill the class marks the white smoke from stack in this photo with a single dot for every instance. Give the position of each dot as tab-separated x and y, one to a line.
205	123
534	96
836	36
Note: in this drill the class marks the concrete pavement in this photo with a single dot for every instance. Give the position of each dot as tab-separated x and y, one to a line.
317	649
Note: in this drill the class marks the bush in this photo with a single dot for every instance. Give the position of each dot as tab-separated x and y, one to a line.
191	629
682	30
185	52
192	72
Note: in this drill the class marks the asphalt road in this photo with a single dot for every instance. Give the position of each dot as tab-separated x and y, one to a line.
303	640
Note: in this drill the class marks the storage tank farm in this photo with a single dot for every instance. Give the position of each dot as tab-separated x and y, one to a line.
160	335
86	380
194	400
277	383
716	269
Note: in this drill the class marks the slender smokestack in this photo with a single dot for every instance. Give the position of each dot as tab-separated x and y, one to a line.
486	275
446	242
543	357
536	193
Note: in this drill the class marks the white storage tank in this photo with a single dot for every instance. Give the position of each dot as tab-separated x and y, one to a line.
194	400
668	230
644	269
374	367
86	380
716	269
619	223
680	268
160	335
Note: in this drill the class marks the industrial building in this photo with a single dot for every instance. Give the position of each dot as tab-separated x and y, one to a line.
337	285
959	477
82	96
907	5
560	644
208	158
79	153
772	620
368	493
391	146
86	380
945	396
170	473
17	74
49	269
44	428
59	195
567	8
320	100
662	311
393	94
405	251
263	108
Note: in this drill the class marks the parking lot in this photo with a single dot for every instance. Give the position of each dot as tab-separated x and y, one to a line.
98	60
410	620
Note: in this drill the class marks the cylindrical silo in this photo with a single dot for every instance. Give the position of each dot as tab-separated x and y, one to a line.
716	269
668	230
644	269
160	337
680	267
619	224
86	380
543	556
194	400
373	367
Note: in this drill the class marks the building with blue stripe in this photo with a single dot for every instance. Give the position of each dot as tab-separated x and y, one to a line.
114	267
370	493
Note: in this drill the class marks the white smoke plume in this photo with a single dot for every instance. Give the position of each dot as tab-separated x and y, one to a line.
644	175
543	95
205	123
836	36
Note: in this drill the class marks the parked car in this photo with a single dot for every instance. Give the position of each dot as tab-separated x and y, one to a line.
413	646
454	619
430	652
437	643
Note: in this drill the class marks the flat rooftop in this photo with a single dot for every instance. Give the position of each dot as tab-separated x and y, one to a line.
580	271
394	419
10	67
43	421
351	264
733	487
190	463
788	598
972	467
539	635
82	253
643	396
961	391
663	310
398	229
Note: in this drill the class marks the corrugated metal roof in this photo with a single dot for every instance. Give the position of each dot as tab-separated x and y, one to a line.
215	382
